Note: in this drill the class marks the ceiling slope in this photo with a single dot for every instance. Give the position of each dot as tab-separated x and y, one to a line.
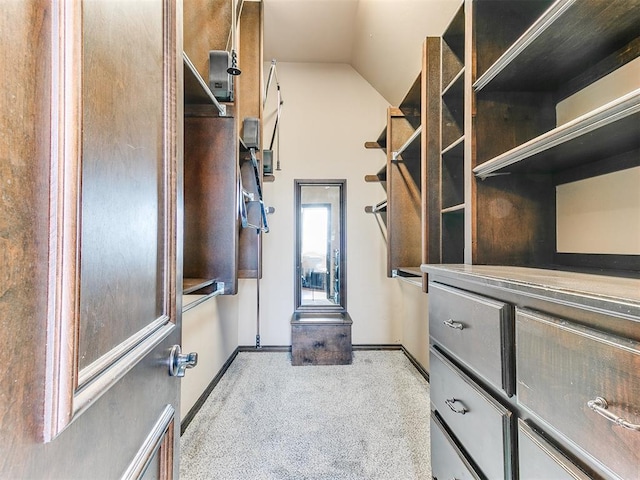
381	39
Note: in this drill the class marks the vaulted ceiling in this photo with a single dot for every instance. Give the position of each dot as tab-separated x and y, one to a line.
381	39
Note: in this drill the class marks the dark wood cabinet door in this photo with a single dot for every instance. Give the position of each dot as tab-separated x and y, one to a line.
563	368
476	329
89	228
483	426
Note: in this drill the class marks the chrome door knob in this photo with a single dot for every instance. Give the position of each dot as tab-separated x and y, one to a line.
179	362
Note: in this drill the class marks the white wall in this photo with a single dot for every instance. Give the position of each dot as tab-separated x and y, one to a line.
387	45
212	332
329	112
600	214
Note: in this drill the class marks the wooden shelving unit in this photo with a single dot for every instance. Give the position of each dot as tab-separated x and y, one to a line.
520	153
503	161
452	176
410	177
250	105
216	248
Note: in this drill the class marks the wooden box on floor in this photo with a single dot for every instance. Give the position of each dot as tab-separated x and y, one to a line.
321	339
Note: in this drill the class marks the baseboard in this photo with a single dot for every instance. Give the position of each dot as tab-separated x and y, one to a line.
266	348
416	364
202	398
377	346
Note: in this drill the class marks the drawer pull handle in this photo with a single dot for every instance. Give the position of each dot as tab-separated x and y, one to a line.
450	403
600	406
451	324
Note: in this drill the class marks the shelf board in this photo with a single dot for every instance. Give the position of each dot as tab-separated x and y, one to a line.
454	34
381	176
196	90
459	143
410	148
552	51
412	275
190	285
382	139
452	146
378	208
410	105
453	209
609	130
268	178
456	84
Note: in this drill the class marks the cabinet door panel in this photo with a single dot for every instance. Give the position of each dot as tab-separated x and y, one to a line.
474	329
481	425
447	461
539	459
563	366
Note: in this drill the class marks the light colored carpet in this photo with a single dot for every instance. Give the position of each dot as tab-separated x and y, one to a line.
269	420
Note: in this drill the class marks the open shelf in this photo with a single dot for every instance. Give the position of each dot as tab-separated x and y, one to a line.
453	37
190	285
453	111
380	207
381	142
609	130
410	105
550	53
411	148
381	176
412	275
453	235
452	171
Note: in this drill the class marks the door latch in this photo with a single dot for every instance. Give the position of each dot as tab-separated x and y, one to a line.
179	362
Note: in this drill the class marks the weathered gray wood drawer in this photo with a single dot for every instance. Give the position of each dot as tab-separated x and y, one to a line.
321	339
566	373
474	329
481	425
447	461
539	459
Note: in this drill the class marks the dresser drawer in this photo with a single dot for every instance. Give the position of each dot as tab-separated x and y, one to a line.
481	425
476	330
539	459
562	368
447	461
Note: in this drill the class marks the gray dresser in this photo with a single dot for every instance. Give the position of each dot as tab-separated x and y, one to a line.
535	374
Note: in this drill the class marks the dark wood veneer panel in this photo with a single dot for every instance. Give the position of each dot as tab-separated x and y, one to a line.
207	26
123	187
210	199
505	120
562	366
515	220
404	208
587	32
431	147
498	23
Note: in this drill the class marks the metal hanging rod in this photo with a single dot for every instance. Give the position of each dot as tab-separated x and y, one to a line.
376	208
